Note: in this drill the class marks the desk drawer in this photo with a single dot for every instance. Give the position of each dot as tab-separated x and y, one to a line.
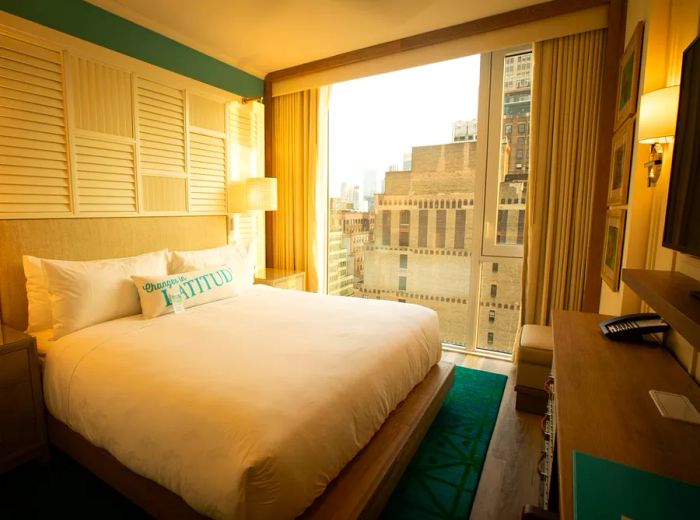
14	368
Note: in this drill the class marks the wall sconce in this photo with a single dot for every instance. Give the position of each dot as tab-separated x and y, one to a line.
657	126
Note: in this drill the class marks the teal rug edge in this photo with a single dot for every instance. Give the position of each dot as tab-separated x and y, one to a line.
441	480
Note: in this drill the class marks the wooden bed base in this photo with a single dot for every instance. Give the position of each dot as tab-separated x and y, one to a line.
361	490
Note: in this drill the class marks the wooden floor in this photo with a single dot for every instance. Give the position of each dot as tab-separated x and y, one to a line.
509	479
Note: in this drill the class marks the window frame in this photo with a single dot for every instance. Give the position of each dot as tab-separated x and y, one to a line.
490	246
403	279
484	203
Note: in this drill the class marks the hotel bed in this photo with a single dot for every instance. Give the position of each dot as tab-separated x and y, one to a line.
245	407
269	404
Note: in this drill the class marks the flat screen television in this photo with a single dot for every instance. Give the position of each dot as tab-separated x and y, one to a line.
682	228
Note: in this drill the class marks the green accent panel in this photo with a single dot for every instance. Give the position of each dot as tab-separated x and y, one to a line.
441	480
89	22
607	490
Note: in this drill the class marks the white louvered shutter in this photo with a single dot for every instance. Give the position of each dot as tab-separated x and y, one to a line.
207	155
34	167
161	121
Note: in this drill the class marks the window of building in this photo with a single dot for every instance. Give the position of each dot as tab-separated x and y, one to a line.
440	224
519	153
492	316
522	128
502	226
423	228
402	283
489	338
403	261
404	228
460	228
386	227
401	300
509	129
521	226
494	267
494	290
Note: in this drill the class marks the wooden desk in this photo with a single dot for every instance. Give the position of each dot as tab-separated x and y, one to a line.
603	405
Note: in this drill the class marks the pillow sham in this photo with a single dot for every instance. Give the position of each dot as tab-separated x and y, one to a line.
159	293
87	293
239	257
38	302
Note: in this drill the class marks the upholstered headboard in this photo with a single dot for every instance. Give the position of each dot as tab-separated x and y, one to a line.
90	239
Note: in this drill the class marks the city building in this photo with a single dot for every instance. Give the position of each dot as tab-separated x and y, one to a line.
515	155
422	247
464	131
349	232
340	281
369	182
358	230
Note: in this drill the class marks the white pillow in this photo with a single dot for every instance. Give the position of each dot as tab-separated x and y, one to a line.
195	288
39	304
87	293
239	257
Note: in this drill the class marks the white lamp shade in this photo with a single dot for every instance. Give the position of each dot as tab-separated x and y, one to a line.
657	115
262	193
237	200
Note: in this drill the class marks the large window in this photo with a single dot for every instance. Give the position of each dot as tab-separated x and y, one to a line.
441	207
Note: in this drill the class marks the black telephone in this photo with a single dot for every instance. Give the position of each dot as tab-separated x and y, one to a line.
632	327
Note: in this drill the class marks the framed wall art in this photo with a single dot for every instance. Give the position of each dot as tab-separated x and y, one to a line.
628	77
612	250
621	163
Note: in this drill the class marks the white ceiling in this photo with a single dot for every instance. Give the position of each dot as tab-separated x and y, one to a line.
266	35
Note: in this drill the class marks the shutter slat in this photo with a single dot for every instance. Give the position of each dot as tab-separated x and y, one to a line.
161	120
207	173
106	175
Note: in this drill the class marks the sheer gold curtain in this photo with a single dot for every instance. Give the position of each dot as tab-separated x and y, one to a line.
293	227
565	104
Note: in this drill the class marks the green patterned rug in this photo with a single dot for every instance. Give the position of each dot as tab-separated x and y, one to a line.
441	480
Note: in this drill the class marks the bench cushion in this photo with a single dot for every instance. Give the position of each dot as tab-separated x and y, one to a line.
536	345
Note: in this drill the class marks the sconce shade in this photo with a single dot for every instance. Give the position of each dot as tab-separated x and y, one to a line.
237	200
657	115
262	193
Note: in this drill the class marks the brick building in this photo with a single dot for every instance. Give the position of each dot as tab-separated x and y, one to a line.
422	247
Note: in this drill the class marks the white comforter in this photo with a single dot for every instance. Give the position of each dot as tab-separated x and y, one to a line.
246	407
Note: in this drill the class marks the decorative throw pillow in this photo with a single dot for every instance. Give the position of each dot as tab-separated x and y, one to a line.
159	294
239	256
87	293
38	302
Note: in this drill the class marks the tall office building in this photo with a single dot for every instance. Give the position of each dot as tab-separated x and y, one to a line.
369	182
517	91
422	247
464	131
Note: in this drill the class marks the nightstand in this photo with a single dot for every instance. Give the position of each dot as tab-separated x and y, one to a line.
22	422
282	279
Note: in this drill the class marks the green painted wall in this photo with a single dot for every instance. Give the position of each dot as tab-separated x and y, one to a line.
96	25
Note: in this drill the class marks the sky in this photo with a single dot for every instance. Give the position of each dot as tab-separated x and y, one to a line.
373	121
